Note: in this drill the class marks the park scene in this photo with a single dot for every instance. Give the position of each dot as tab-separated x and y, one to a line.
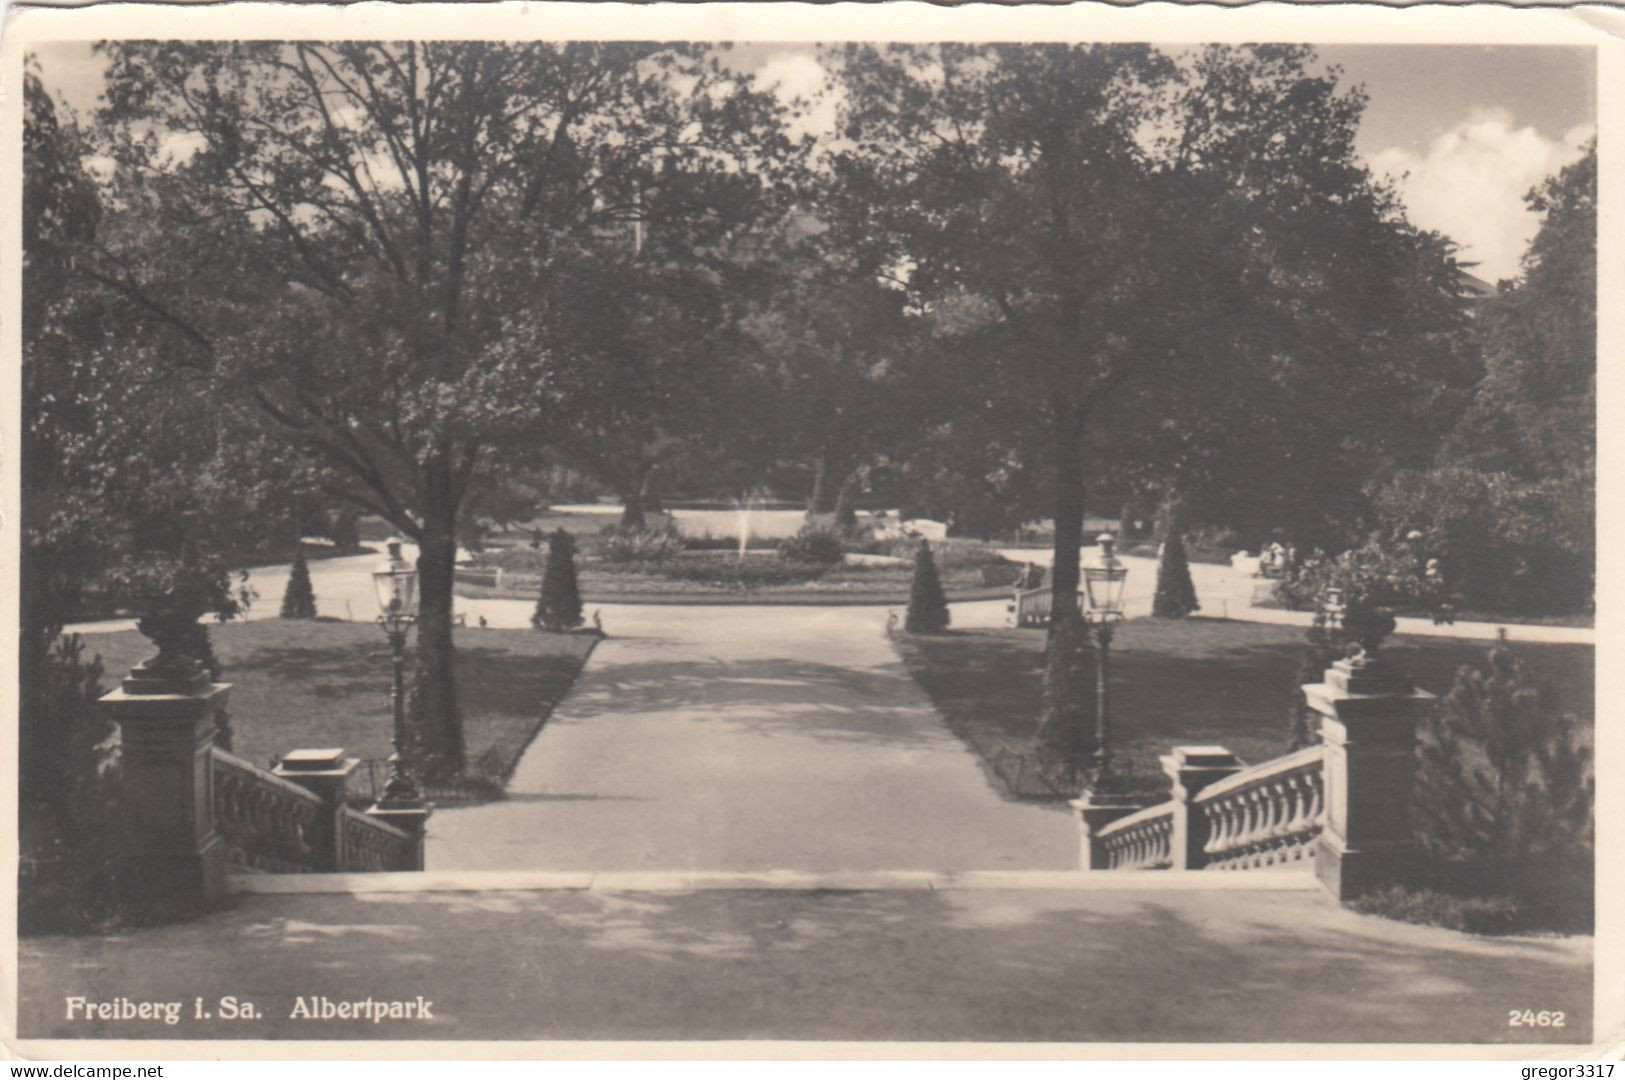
1059	543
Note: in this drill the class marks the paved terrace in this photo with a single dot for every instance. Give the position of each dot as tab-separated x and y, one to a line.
925	960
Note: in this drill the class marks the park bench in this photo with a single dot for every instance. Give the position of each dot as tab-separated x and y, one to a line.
1030	605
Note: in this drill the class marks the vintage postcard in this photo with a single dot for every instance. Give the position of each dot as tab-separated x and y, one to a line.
787	530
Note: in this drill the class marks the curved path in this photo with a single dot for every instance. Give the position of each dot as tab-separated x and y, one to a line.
749	739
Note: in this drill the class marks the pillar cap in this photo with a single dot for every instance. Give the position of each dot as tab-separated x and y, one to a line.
1339	704
1205	757
327	762
139	705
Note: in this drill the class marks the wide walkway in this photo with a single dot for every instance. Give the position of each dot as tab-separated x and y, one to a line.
744	738
344	591
1050	965
1227	592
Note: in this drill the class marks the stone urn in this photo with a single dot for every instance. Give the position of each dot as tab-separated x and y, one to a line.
1369	627
171	624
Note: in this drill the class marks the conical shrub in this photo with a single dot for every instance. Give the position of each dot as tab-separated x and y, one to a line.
1176	595
559	607
299	599
927	603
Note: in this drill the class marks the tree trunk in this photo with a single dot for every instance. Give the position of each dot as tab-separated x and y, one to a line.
846	511
632	516
649	495
435	728
1069	494
826	483
640	502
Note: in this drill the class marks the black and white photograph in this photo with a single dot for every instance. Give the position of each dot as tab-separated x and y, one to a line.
781	526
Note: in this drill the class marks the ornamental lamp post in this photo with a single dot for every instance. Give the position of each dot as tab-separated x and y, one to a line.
396	585
1104	578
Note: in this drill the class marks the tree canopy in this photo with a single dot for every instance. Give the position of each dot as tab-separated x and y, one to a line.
1130	224
373	243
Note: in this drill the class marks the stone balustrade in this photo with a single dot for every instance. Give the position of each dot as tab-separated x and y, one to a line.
190	810
373	845
296	820
266	823
1341	806
1270	815
1141	841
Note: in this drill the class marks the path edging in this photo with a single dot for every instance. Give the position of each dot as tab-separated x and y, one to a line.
771	880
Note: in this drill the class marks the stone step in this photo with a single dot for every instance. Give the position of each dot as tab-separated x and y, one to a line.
790	880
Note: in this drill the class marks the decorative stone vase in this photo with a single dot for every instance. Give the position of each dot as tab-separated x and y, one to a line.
169	624
1370	627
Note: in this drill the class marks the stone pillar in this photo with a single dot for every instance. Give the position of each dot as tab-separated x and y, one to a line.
1369	714
325	773
1096	811
1190	769
410	816
174	861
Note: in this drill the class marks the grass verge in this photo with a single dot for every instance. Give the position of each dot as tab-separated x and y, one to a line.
321	683
1474	904
1174	682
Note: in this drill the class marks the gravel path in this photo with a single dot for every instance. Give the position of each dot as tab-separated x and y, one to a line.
743	739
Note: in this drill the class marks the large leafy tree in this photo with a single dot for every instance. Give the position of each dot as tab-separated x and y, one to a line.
1534	413
832	346
122	480
1140	225
654	344
367	242
1509	504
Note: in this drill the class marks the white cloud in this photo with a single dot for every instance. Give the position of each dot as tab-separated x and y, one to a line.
178	147
1470	182
797	76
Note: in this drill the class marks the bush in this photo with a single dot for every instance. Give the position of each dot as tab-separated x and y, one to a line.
927	603
343	531
948	554
299	599
1219	539
68	840
1504	786
559	607
708	542
1505	544
1324	644
651	545
1430	906
1380	575
812	545
744	573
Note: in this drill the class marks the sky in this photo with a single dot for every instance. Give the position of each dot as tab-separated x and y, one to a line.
1464	131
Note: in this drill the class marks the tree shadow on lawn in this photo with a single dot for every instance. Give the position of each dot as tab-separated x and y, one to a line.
880	706
1064	966
1190	682
337	694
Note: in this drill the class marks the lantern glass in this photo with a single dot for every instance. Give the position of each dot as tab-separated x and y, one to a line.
396	584
1104	578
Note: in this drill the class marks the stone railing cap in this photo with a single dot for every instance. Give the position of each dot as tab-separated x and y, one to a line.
1205	756
313	760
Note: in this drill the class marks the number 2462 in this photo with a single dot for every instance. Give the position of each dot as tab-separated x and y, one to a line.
1530	1018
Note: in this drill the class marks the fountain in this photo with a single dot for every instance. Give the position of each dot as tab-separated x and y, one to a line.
743	504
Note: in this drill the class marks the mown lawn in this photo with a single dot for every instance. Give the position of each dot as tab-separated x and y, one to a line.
325	683
1189	682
